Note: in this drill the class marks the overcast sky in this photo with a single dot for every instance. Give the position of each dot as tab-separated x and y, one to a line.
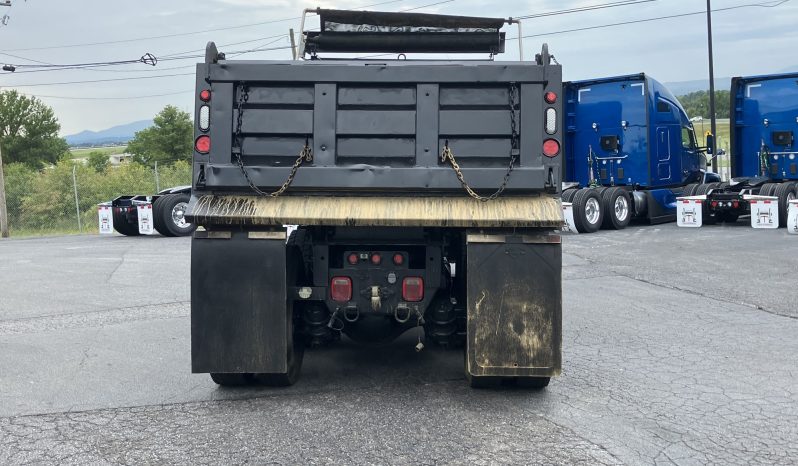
752	40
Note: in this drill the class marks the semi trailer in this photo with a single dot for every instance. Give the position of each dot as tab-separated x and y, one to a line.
764	159
630	150
425	194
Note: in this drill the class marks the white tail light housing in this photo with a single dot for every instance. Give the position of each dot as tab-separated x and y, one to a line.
551	121
204	118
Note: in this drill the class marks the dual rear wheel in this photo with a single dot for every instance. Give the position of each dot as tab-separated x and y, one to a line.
594	208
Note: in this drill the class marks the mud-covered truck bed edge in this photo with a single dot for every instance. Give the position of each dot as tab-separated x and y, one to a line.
426	198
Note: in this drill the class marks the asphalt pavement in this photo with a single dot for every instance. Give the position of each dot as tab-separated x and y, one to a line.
680	347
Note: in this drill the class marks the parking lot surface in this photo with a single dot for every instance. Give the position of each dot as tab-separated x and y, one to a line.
680	346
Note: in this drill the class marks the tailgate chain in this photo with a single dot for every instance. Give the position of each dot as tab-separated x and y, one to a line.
448	154
305	155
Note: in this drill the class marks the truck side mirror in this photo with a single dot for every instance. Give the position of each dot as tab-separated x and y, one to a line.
710	144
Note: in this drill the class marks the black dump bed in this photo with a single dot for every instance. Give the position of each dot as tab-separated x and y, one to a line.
372	132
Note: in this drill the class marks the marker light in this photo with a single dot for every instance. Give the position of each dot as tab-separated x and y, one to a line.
550	97
205	95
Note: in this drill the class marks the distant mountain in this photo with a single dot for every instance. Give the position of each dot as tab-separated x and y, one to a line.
116	135
685	87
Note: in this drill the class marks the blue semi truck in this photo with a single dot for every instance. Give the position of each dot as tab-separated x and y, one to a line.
764	159
630	150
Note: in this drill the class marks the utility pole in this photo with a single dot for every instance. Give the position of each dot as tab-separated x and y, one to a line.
3	209
712	90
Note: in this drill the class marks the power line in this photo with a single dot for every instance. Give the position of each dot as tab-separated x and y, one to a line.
179	34
646	20
581	9
108	98
132	78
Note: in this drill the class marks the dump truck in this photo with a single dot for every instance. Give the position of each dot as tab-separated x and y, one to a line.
425	194
144	214
630	150
764	159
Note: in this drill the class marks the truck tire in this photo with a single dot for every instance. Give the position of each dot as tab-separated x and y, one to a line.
158	221
767	189
587	210
568	194
230	380
536	383
786	192
617	206
703	189
172	215
124	227
296	353
689	190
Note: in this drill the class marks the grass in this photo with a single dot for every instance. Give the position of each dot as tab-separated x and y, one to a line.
85	151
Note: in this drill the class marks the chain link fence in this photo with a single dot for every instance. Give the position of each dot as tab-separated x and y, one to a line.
63	199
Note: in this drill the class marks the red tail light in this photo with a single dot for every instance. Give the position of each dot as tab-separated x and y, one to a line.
205	95
551	147
376	258
550	97
341	289
714	203
398	259
735	204
203	144
413	289
352	258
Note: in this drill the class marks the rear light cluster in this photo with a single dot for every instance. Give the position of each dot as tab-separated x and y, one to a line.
733	204
412	289
551	147
203	142
373	257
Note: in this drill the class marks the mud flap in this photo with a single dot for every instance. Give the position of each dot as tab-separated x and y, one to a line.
106	218
568	215
239	312
764	211
792	217
514	304
690	211
146	221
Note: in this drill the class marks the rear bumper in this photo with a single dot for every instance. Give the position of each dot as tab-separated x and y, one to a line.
462	212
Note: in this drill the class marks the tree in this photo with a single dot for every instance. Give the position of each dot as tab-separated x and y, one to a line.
98	161
167	141
697	104
29	131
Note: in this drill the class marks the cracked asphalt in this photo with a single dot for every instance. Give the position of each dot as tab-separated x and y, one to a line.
680	347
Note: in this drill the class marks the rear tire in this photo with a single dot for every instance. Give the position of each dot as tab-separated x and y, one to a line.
122	226
703	189
172	215
230	380
568	194
767	189
785	192
617	205
296	353
159	224
587	211
689	190
536	383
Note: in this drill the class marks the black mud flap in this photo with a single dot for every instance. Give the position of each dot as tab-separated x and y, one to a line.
514	305
239	313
